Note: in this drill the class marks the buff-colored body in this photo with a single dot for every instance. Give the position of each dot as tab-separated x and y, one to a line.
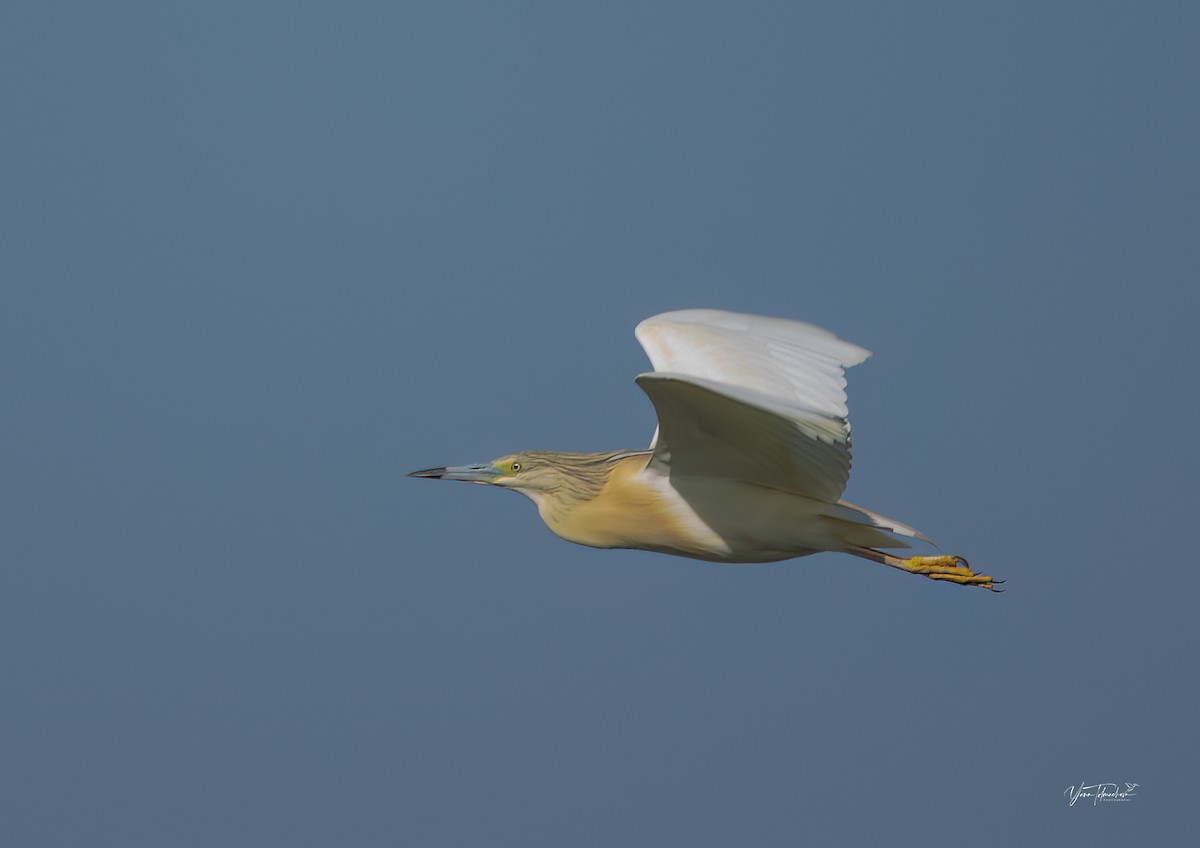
702	518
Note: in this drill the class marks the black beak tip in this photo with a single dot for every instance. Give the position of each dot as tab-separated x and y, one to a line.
428	472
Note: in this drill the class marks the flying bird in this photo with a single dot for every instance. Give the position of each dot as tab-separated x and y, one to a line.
748	464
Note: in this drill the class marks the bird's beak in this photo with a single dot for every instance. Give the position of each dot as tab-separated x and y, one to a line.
465	473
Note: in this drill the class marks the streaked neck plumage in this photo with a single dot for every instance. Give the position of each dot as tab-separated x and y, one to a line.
562	481
605	500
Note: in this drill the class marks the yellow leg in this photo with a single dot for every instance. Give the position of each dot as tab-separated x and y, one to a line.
953	569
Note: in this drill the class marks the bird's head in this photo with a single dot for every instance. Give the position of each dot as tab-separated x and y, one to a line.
528	470
535	474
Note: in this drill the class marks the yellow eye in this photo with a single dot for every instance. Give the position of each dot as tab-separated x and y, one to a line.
516	466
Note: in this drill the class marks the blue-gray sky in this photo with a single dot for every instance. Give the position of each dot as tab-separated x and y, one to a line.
259	260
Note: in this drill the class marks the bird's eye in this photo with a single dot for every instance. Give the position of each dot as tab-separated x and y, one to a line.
516	466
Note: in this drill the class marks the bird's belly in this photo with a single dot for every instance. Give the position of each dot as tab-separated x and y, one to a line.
756	524
718	520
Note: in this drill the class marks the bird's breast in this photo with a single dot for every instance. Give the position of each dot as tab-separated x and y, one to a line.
636	510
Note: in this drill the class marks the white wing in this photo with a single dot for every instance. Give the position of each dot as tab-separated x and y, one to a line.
749	398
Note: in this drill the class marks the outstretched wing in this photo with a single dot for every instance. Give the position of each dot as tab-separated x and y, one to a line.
749	398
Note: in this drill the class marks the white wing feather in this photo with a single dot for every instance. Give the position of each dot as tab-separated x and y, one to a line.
750	398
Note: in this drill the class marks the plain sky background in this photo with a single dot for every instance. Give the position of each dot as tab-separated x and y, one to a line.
261	259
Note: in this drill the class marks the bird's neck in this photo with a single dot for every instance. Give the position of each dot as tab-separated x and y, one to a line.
627	510
579	478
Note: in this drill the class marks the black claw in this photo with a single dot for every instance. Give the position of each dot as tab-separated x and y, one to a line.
963	562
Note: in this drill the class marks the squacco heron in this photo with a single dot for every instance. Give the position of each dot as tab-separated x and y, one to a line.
748	464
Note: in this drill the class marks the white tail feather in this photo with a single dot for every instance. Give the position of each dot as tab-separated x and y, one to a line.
852	514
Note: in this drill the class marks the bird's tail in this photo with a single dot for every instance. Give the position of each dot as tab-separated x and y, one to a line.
867	529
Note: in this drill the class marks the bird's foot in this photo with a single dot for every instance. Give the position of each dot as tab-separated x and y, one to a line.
954	569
